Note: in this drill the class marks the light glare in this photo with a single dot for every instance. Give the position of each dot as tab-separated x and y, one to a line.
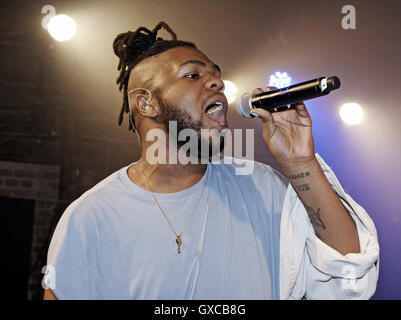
351	113
279	80
62	27
230	90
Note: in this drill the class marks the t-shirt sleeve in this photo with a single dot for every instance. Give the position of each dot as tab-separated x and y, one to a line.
71	252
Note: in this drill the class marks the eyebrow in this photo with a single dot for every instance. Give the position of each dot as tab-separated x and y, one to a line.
200	63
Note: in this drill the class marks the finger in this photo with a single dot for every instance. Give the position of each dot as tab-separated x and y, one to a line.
257	91
264	115
260	90
301	109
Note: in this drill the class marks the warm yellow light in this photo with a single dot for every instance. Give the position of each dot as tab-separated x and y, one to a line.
62	27
351	113
230	90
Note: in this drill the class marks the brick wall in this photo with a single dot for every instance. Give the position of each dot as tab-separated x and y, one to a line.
39	183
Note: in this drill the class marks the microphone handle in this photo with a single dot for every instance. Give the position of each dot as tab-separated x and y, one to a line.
288	95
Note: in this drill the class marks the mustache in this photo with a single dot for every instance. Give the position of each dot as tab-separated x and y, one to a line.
204	101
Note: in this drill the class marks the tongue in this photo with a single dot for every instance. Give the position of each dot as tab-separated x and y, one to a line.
217	115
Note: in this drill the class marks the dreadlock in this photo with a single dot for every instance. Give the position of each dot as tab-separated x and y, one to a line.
133	47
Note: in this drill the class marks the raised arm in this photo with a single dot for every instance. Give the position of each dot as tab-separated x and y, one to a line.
288	135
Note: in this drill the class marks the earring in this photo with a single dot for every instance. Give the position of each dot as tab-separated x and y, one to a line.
148	106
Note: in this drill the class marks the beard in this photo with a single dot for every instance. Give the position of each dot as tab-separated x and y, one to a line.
184	120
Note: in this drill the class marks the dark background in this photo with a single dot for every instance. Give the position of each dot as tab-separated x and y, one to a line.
59	105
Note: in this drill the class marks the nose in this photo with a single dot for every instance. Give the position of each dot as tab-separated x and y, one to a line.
214	83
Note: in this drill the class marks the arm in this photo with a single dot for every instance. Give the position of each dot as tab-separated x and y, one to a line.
288	136
313	269
49	295
330	220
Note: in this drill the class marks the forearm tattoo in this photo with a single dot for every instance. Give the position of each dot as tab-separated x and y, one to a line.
314	217
303	187
299	175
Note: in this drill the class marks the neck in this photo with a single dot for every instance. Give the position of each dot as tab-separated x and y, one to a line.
164	176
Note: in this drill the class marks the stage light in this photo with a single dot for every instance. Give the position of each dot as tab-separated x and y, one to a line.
61	27
280	80
351	113
230	90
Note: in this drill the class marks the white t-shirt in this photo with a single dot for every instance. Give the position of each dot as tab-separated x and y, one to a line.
250	238
114	243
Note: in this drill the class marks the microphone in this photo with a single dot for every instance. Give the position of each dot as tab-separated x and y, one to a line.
281	97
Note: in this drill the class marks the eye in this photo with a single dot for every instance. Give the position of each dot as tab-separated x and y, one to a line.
192	76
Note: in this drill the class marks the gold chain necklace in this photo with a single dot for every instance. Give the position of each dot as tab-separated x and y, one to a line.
178	239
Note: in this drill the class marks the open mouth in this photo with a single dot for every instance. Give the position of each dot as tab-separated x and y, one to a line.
215	111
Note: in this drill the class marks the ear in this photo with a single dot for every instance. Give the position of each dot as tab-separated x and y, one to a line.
145	107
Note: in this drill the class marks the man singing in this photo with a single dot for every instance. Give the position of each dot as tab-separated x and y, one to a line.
168	230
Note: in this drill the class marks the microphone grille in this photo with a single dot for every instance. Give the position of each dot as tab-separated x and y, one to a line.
244	105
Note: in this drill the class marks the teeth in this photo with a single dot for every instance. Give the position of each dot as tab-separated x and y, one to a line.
216	109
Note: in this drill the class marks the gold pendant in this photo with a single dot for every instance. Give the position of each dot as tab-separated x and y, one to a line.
179	242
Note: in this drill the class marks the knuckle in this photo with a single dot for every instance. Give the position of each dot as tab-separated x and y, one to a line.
257	90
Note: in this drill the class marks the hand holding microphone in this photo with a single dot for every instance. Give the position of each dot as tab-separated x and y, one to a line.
288	134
